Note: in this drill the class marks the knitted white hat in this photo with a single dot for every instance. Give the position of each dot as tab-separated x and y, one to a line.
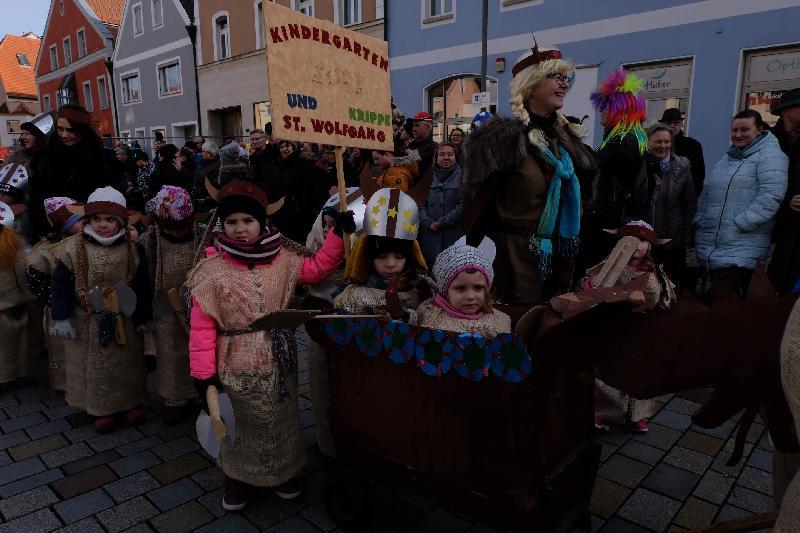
107	200
456	259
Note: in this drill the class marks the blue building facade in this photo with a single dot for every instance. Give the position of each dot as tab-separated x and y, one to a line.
710	58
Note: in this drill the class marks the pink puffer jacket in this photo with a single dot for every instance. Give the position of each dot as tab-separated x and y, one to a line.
203	335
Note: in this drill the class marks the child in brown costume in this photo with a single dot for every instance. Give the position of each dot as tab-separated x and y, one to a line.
249	274
612	405
464	276
105	356
16	358
171	245
40	264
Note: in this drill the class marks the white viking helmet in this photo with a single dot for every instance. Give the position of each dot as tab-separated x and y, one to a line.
355	203
42	122
13	178
392	213
6	216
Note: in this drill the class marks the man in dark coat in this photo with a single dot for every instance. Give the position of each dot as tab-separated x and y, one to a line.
686	146
423	141
784	268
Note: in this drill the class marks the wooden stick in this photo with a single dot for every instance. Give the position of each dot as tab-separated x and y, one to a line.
212	399
342	194
112	305
176	304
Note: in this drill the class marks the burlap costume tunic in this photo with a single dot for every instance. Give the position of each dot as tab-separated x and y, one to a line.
364	299
110	379
16	354
490	325
612	405
40	264
789	519
267	451
170	262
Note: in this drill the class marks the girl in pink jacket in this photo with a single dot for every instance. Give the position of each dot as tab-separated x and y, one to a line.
245	276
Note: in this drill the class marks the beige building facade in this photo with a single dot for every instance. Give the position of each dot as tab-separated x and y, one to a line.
231	59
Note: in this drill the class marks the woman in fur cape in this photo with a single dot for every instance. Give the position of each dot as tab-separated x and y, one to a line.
523	181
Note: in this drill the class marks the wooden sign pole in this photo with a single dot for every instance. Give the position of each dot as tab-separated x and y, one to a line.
342	194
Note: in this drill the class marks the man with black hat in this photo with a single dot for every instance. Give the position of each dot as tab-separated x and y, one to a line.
686	146
784	268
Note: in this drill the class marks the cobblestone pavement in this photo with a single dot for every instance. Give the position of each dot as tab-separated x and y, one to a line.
56	473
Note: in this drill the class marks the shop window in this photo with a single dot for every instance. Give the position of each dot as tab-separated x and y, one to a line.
262	112
666	85
450	102
767	75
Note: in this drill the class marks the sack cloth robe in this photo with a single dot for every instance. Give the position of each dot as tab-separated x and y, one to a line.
227	297
170	262
109	379
18	346
789	519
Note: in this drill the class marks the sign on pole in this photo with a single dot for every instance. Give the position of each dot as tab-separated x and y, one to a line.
327	84
480	101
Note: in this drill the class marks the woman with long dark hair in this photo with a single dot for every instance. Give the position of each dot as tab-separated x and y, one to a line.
76	163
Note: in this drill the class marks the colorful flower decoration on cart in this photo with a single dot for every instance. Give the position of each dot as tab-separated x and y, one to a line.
510	359
398	340
434	352
369	336
473	356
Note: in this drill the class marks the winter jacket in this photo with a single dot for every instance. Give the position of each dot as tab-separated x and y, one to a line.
203	332
622	193
737	208
403	172
692	150
784	267
427	152
675	204
444	203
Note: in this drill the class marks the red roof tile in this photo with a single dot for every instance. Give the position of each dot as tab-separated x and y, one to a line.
19	80
109	11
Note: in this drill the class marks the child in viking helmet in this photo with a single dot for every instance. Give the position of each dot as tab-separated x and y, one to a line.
170	245
13	189
40	264
630	263
16	359
249	274
464	275
387	259
102	302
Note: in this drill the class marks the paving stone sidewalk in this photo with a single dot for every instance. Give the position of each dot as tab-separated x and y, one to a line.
57	474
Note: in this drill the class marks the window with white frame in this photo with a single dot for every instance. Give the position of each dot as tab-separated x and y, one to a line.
87	96
53	57
305	7
131	88
260	36
513	4
102	92
157	8
379	9
222	41
351	12
438	8
138	20
138	136
81	36
169	78
67	51
13	126
46	103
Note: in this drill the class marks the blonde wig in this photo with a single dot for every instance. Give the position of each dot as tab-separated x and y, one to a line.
523	84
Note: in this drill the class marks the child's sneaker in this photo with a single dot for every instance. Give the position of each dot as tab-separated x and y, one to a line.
235	497
105	424
641	426
289	490
601	426
134	416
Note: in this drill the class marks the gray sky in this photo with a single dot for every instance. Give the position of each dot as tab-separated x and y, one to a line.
19	16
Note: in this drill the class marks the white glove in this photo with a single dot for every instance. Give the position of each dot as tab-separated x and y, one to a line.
64	329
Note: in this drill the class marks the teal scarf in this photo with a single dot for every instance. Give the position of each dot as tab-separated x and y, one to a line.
563	207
